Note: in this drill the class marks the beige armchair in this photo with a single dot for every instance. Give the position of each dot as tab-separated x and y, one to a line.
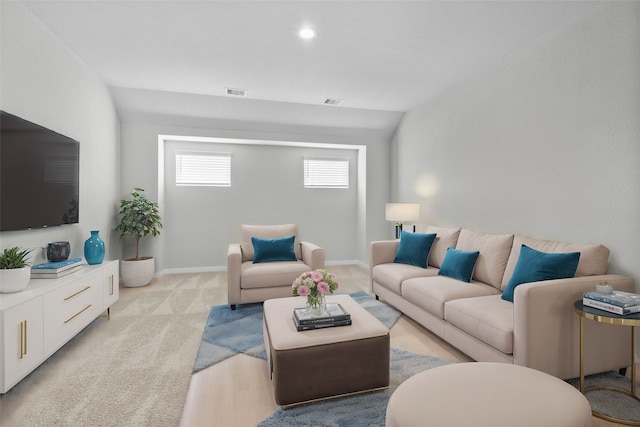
249	281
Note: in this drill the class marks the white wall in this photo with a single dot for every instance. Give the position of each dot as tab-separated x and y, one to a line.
219	222
44	82
546	143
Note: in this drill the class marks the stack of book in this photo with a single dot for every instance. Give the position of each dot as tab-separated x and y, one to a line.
334	315
53	270
617	302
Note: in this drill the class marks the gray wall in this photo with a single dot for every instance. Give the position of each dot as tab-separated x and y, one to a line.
197	239
43	82
546	143
266	188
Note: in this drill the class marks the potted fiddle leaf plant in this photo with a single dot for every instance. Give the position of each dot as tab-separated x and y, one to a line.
14	270
139	217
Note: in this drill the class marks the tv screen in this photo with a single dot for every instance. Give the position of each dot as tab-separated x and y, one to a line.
38	176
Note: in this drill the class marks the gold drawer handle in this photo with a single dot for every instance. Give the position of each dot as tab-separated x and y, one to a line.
23	339
111	285
79	292
77	314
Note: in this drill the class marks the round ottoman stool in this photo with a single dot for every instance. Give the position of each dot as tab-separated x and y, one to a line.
487	394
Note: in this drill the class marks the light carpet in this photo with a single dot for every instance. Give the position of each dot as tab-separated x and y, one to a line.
133	370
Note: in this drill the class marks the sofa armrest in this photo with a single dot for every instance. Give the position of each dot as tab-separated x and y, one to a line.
547	329
381	252
312	255
234	261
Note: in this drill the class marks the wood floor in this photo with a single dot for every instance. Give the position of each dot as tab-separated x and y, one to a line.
237	392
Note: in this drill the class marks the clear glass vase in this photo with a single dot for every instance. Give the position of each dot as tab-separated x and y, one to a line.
316	304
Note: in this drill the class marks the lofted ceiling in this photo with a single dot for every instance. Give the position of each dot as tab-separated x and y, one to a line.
173	60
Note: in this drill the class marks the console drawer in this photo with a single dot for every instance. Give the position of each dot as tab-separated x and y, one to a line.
70	308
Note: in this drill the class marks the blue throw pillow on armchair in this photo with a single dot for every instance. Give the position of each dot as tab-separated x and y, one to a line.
414	248
270	250
459	264
535	266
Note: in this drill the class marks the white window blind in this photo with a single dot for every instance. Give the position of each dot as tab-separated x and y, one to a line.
326	173
199	168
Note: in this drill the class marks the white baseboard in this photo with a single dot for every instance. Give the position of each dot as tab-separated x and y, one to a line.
217	269
348	262
192	270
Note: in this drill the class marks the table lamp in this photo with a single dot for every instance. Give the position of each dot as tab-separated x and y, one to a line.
402	212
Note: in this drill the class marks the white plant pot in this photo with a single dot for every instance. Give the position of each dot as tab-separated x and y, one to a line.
137	273
14	279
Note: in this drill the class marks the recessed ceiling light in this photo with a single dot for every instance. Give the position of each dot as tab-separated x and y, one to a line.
306	33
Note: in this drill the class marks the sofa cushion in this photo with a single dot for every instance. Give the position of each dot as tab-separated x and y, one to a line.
445	238
431	293
488	318
264	275
535	266
459	264
266	232
392	275
270	250
414	248
494	252
594	258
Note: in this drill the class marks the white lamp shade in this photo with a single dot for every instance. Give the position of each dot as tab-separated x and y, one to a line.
403	212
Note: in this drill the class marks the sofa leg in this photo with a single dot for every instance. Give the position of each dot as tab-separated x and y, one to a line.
622	371
377	298
233	306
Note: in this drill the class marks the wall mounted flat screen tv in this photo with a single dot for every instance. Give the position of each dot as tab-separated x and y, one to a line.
39	171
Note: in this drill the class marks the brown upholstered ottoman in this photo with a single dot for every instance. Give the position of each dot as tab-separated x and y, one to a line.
322	363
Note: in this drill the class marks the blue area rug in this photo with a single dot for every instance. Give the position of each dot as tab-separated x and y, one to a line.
608	402
229	332
367	409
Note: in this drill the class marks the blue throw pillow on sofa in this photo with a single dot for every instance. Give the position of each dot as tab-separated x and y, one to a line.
269	250
535	266
414	248
459	264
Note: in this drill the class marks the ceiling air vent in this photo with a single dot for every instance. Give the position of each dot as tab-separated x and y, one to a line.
236	92
332	101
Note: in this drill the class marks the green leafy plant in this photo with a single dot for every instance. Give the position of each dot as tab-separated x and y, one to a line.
140	217
14	258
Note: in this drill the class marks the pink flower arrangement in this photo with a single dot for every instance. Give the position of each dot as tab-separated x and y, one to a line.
314	283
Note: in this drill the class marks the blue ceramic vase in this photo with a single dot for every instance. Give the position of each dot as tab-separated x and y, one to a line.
94	249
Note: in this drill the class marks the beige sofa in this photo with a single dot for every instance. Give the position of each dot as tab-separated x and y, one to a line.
257	282
539	329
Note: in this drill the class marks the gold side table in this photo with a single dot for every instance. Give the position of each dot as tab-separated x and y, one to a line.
601	316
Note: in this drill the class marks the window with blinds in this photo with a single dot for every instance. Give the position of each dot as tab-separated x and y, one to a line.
326	173
203	169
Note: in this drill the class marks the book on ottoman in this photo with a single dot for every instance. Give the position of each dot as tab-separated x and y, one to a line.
334	315
322	325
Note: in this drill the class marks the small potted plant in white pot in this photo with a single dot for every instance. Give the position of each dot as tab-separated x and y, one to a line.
14	270
140	217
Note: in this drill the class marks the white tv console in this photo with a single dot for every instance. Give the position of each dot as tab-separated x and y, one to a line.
36	322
